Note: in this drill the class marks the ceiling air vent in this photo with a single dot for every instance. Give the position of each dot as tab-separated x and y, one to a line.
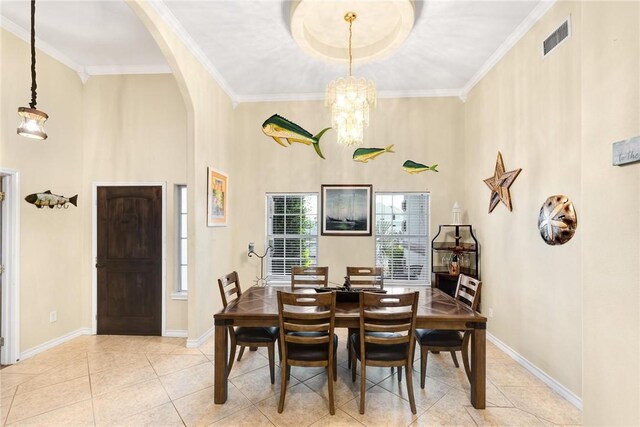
560	34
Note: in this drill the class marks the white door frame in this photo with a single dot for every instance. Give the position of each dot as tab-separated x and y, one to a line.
94	246
11	260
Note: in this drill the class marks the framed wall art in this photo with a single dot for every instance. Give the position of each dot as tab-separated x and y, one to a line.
217	198
346	210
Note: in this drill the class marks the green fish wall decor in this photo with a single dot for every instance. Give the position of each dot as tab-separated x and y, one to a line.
279	128
365	154
414	167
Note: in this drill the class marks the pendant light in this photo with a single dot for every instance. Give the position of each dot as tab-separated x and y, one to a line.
32	125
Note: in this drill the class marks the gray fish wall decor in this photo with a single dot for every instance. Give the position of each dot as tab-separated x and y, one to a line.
46	198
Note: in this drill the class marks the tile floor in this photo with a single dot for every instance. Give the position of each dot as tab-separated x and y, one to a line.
155	381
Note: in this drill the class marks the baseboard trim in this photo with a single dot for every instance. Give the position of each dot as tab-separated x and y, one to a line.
54	343
175	333
540	374
199	341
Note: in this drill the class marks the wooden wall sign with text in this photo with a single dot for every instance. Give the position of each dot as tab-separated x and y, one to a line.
625	152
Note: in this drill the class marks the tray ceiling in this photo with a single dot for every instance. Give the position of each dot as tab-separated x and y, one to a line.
248	47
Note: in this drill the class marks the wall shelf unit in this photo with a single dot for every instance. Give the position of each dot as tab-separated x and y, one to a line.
453	239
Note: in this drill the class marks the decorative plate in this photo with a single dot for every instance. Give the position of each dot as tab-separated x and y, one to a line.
557	221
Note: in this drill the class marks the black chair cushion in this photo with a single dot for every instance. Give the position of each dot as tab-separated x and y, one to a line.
310	352
257	334
381	352
438	338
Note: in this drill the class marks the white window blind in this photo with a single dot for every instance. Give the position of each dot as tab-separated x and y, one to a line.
292	232
182	237
402	236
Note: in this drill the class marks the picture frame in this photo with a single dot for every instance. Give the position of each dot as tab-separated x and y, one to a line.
346	210
217	198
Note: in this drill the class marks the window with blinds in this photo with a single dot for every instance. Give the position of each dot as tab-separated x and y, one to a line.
402	236
292	232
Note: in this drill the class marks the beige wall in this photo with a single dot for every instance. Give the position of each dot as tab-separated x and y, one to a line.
112	129
567	309
209	127
528	108
50	240
426	130
610	214
135	130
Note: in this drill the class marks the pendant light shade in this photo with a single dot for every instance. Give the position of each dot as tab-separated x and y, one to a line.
32	125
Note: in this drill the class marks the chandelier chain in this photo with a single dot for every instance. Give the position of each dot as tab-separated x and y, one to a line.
34	85
350	53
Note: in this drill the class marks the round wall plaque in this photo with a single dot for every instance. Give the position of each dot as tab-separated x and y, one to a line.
557	221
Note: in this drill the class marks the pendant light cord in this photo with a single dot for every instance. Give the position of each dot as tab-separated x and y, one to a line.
32	104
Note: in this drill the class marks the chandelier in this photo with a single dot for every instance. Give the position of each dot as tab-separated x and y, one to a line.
32	125
350	100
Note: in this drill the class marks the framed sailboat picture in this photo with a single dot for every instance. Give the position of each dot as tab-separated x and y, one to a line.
346	210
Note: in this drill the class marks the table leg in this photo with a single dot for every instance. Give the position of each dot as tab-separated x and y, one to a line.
478	365
220	363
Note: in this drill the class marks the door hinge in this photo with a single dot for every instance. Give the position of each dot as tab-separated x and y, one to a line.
1	269
2	196
1	341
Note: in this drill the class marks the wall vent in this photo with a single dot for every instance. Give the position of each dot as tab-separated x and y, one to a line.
557	37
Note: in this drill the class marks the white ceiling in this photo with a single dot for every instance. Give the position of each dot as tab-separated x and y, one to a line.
247	44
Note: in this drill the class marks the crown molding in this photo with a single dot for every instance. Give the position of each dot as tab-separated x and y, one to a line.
99	70
25	35
522	29
169	18
387	94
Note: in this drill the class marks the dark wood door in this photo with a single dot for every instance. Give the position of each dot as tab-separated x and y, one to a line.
129	262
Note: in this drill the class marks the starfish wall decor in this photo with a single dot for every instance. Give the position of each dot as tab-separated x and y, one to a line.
499	184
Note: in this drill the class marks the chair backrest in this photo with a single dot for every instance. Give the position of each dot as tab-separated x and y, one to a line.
229	285
468	291
309	276
392	313
298	312
365	277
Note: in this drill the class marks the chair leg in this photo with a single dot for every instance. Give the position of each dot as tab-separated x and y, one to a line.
465	355
412	400
272	361
332	407
241	352
455	359
363	383
424	352
283	386
232	356
288	373
399	373
354	364
334	365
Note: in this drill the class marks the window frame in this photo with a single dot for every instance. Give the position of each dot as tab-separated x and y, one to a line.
286	278
180	292
426	269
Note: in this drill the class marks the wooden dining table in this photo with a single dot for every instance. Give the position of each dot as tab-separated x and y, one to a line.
258	306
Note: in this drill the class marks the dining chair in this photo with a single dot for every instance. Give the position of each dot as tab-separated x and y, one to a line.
260	336
385	337
363	277
306	336
468	293
309	277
